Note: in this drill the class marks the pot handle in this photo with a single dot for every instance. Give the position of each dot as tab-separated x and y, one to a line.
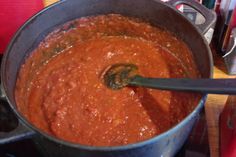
206	28
19	133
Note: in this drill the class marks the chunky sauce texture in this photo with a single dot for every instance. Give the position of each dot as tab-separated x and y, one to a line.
60	86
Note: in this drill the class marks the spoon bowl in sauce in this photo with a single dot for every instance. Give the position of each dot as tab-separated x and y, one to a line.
121	75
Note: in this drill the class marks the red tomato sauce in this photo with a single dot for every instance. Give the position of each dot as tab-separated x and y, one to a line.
60	86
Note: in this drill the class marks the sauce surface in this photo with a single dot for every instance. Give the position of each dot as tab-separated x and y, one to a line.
60	86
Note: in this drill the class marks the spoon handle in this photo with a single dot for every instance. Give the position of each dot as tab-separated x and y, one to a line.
212	86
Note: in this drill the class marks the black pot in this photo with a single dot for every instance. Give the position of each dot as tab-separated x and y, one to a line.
154	11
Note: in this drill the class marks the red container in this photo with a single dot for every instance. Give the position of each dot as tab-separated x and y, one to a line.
228	129
13	13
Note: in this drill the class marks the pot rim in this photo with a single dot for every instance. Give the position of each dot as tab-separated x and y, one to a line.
102	148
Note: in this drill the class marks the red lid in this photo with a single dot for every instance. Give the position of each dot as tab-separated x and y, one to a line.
13	13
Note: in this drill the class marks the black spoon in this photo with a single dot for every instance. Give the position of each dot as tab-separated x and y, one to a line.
118	76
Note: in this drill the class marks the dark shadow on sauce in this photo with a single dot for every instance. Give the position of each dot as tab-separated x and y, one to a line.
159	117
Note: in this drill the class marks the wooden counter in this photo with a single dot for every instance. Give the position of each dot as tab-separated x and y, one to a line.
48	2
214	106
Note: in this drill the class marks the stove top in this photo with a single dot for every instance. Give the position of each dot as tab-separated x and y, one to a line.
196	145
